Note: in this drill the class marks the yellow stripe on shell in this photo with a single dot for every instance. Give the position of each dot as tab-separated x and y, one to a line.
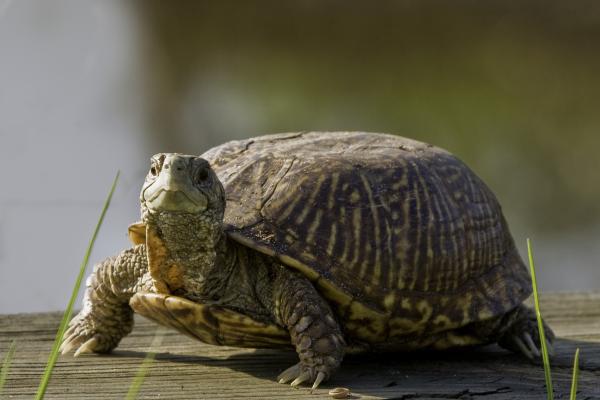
376	273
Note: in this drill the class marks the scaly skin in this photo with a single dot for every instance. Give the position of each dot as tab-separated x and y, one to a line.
106	316
312	326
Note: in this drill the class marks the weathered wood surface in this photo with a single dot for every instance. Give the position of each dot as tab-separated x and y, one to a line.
185	369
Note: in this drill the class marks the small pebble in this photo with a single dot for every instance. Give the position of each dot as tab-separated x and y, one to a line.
339	393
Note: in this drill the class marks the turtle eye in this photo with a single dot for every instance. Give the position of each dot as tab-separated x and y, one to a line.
202	175
156	163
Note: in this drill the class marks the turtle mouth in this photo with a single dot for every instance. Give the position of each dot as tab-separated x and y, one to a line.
164	199
172	187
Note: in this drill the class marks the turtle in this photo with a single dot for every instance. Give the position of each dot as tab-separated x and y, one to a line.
326	242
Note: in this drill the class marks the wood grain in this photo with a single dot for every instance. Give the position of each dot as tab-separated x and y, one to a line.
185	369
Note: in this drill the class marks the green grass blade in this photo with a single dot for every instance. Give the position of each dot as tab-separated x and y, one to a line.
575	376
545	358
136	385
67	315
6	364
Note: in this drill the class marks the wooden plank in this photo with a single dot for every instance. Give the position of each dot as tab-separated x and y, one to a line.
187	369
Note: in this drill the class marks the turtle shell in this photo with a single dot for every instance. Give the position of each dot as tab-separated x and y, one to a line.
401	237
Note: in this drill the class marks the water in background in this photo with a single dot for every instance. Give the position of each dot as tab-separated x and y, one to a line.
91	87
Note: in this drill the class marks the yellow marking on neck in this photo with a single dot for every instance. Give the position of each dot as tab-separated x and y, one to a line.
137	233
157	255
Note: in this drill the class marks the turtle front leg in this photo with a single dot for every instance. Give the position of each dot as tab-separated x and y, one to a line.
312	326
106	316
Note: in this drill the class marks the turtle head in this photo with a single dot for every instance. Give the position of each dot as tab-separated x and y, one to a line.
178	183
182	204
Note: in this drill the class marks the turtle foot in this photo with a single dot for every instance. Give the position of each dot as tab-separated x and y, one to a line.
523	335
87	335
299	374
320	357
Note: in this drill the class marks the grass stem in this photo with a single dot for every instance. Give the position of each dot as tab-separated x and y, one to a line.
538	313
67	315
138	380
575	376
6	364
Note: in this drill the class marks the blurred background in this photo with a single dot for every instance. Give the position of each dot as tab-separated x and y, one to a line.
87	88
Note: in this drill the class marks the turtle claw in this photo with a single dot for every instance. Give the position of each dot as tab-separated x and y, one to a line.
83	344
289	374
68	343
521	346
550	348
300	374
529	342
526	346
87	347
73	340
69	331
302	378
320	377
67	346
